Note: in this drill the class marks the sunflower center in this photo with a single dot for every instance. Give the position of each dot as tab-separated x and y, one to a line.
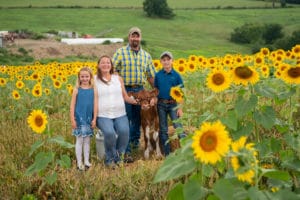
208	141
243	72
218	79
294	72
39	121
177	93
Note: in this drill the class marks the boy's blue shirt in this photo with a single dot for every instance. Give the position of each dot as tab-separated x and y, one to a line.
164	81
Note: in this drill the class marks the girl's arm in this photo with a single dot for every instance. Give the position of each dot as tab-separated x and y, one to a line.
72	108
95	107
125	95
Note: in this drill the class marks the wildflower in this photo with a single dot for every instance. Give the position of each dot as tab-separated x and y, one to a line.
37	121
211	142
218	80
16	95
177	94
244	75
244	160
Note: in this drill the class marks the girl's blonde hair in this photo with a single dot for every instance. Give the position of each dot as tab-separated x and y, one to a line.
85	69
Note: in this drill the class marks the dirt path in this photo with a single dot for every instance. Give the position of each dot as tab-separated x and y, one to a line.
50	48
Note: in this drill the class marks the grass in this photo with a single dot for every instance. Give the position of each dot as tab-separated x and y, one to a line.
200	32
132	181
175	4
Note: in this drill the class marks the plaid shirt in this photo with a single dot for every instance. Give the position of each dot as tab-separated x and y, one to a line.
133	67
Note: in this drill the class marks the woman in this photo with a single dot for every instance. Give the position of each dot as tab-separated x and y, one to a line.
112	119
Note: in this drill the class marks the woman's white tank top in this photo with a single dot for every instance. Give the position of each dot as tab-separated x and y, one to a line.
110	99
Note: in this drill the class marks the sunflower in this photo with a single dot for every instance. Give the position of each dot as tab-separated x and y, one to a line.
296	49
181	68
291	75
177	94
37	121
245	75
244	160
265	71
265	51
16	95
258	60
211	142
20	84
37	90
191	66
47	91
3	82
157	65
57	84
218	80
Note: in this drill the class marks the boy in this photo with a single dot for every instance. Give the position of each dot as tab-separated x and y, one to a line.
164	80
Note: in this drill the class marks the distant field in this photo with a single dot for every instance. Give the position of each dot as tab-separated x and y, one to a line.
138	3
200	32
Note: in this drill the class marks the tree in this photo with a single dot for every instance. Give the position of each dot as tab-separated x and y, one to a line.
158	8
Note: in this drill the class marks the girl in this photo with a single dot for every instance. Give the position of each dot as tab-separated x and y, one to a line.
83	113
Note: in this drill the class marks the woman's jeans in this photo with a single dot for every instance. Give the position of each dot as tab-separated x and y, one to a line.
165	110
116	136
134	118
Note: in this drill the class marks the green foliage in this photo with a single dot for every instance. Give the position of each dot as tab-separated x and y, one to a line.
272	32
268	35
46	162
158	8
247	33
253	32
288	42
7	58
253	111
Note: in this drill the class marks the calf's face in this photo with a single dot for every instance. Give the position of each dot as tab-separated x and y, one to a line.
144	97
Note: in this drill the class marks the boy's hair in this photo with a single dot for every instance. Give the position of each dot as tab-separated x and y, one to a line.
99	73
86	69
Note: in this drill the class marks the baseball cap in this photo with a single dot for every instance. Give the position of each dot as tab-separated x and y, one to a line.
166	53
135	30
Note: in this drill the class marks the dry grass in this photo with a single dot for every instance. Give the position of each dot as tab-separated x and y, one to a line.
131	181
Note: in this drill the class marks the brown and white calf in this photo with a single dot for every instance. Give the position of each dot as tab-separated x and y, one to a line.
149	121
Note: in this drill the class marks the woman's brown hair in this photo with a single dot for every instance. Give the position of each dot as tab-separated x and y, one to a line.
99	73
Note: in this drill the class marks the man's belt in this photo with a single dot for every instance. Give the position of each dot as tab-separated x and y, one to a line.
133	86
167	101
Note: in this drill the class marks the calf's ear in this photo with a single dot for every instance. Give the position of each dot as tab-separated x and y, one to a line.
154	92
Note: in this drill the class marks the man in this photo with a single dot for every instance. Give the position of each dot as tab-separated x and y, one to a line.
135	66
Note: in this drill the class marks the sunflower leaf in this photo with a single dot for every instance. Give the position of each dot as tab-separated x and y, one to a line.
193	189
176	192
35	146
229	189
265	117
64	161
61	141
244	106
230	120
42	159
51	178
174	166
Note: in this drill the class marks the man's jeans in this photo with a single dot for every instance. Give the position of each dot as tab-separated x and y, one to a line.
116	136
165	110
134	118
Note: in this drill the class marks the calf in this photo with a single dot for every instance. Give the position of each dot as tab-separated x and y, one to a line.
149	121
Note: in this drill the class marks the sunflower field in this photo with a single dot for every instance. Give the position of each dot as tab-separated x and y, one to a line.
241	116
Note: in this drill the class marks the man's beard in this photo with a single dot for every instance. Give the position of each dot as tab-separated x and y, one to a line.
135	44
